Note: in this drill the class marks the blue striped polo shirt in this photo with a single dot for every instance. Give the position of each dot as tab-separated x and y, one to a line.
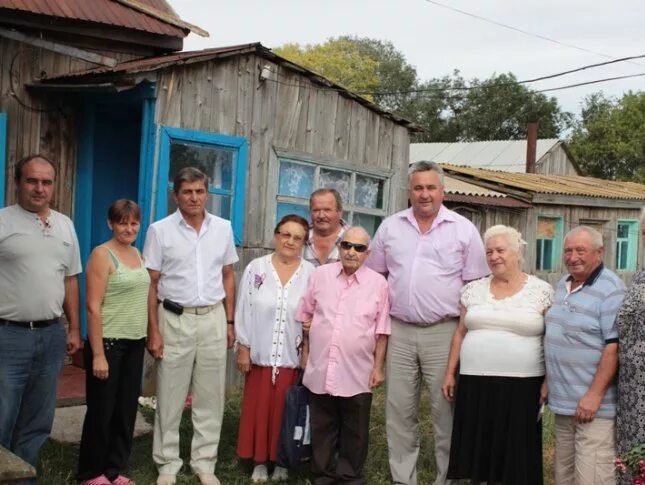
578	326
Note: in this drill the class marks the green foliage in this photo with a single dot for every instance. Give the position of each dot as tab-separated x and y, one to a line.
609	140
339	60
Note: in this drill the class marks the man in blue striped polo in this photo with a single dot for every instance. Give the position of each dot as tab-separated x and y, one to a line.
581	354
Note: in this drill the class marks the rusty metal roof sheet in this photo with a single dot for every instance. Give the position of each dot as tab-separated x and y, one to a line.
101	11
101	73
571	185
456	186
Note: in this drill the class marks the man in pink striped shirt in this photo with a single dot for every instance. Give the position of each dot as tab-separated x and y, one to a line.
348	306
427	252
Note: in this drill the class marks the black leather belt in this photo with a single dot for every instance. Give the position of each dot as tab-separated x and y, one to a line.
30	325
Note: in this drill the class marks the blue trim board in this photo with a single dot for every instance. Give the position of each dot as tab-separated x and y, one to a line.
3	157
146	165
238	144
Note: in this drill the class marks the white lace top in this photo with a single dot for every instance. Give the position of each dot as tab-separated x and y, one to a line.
504	336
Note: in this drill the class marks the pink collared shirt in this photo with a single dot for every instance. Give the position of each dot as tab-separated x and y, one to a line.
426	271
348	314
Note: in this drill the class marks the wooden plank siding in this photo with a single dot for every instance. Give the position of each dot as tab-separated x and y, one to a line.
40	124
556	162
525	221
293	115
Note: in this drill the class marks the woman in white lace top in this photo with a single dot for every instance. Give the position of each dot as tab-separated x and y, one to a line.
497	350
268	339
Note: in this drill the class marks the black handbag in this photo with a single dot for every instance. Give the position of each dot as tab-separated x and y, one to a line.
294	446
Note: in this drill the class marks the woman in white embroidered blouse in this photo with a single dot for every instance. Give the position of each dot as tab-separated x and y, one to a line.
497	348
268	341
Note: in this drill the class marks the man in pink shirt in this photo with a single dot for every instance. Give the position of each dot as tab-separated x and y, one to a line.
427	253
348	306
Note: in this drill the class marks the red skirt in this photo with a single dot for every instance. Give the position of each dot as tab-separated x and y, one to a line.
262	408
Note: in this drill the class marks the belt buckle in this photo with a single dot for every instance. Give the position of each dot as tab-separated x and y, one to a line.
31	325
202	310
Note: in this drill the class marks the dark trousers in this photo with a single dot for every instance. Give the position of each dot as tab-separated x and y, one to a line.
111	409
339	437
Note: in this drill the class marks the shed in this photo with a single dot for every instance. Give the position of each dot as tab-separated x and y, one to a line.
545	207
552	155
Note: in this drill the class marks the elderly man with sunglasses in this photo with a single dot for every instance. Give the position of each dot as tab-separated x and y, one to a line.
348	306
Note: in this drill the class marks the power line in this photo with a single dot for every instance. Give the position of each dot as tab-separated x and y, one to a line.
496	85
521	31
525	81
596	81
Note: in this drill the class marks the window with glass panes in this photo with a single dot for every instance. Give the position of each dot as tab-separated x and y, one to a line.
221	157
363	194
548	244
626	245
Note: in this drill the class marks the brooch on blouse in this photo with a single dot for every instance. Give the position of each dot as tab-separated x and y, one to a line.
258	280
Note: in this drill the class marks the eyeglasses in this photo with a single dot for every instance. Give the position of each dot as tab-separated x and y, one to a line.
287	235
346	245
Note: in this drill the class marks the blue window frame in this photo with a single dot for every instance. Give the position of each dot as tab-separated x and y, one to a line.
548	251
626	245
223	158
3	154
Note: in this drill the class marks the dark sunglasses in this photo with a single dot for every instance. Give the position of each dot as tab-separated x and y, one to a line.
346	245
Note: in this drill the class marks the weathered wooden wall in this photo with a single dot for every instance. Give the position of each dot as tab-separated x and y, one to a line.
525	221
38	122
556	162
226	96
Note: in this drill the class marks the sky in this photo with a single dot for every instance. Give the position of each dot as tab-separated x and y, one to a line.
437	41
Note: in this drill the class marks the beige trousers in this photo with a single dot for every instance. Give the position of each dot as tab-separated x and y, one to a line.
416	355
194	355
584	452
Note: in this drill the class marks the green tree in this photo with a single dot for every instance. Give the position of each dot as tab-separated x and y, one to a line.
609	140
339	60
497	108
448	108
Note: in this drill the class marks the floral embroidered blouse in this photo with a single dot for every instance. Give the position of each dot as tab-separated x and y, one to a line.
265	311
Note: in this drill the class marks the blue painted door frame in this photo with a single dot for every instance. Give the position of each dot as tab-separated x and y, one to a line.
113	130
3	157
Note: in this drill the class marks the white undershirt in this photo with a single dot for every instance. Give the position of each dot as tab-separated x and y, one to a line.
504	336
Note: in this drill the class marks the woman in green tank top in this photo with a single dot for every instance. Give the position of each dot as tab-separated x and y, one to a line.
117	316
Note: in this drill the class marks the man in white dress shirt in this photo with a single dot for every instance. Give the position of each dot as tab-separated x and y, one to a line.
190	256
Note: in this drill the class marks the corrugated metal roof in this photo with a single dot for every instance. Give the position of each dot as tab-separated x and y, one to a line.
455	186
101	73
101	11
506	155
486	201
572	185
147	64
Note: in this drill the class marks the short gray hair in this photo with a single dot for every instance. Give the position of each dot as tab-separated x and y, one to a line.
358	229
596	237
512	235
425	166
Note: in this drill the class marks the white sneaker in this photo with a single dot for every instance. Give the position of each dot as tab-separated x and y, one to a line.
260	474
166	479
280	474
208	479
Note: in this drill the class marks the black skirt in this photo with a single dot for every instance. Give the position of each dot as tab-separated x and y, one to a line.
496	436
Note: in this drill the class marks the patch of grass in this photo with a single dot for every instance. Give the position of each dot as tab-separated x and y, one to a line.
58	461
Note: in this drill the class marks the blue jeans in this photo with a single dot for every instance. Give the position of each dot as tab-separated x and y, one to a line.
30	364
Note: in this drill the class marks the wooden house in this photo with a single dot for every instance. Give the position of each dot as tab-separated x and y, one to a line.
545	207
103	92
